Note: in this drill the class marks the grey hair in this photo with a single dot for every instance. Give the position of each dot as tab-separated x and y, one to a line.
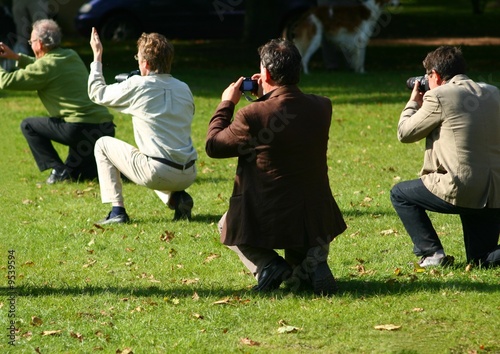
49	33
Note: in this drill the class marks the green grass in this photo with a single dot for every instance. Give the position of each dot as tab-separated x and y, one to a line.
126	286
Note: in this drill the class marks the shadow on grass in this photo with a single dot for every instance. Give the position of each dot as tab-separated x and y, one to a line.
354	288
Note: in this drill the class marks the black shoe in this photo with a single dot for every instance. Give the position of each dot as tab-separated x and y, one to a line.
271	277
182	203
56	177
493	258
117	219
322	280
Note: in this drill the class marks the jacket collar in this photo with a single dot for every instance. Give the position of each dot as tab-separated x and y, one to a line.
279	91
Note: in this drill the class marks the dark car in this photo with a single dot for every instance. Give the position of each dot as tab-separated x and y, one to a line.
187	19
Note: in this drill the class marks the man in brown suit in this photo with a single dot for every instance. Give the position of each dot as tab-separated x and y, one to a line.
460	122
281	197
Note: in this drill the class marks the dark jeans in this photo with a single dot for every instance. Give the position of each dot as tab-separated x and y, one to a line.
40	132
481	227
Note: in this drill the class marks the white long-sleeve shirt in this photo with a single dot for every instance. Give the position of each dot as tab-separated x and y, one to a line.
162	110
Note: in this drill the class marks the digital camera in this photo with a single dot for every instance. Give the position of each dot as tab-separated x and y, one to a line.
249	85
424	83
124	76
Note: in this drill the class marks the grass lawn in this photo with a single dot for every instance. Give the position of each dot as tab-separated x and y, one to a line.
157	286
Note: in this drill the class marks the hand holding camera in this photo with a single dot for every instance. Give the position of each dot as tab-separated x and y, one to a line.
249	85
423	83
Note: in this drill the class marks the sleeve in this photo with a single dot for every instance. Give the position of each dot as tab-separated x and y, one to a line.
118	96
416	124
226	138
31	76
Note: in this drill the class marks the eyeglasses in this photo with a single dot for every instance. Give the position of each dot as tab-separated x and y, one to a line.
30	42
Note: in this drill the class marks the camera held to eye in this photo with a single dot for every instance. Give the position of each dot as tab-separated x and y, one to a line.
249	85
424	83
124	76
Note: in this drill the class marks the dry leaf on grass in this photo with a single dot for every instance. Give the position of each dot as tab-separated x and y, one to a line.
90	263
77	336
124	351
248	341
224	301
167	236
52	333
288	329
388	327
36	321
190	281
211	258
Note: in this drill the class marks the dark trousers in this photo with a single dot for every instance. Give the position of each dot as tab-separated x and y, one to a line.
40	132
481	227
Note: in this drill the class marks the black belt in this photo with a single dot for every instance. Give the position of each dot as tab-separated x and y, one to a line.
173	164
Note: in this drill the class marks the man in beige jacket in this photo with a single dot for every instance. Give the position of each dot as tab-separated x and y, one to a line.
460	120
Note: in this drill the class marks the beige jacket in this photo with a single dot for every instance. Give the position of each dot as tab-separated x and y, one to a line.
460	121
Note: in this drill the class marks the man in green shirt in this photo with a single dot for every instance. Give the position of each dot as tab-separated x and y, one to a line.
60	78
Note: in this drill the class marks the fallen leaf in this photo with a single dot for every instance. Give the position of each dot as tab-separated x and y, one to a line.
224	301
288	329
248	341
99	227
90	263
172	253
137	309
195	296
36	321
52	333
167	236
124	351
198	316
190	281
387	232
77	336
417	268
388	327
211	257
418	309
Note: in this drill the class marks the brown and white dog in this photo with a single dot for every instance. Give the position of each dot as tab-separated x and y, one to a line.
348	24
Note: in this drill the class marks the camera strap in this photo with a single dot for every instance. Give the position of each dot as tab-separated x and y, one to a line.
248	98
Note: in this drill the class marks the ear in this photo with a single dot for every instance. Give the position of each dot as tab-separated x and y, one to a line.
439	79
147	68
266	77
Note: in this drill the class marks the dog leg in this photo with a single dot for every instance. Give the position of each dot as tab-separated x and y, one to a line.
314	42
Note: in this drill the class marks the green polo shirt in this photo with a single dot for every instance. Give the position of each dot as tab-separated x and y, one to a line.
60	79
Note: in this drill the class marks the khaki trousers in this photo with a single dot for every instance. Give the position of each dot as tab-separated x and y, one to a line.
114	156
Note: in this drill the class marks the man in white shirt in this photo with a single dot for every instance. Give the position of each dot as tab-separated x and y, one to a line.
162	110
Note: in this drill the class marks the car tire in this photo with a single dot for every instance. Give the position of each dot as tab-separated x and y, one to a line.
120	27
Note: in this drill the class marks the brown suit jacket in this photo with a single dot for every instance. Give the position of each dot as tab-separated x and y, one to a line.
281	196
